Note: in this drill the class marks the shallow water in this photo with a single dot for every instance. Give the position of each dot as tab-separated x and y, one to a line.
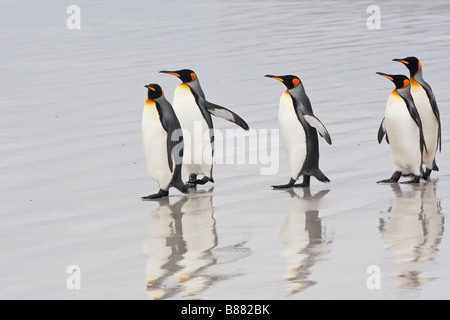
73	170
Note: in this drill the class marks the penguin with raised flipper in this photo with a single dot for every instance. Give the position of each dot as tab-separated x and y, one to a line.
194	113
298	129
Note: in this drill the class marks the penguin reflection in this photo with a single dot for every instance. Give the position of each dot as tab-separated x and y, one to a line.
413	230
304	240
180	239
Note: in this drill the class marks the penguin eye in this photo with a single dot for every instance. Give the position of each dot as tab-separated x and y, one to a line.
295	82
193	76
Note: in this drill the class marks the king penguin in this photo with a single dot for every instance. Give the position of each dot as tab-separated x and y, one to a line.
428	110
298	129
194	113
403	129
163	143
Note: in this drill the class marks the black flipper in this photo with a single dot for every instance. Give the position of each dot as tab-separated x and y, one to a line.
207	116
224	113
406	96
207	108
172	126
314	122
175	143
303	110
434	106
382	132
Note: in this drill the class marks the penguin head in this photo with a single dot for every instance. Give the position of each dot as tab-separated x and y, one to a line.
154	91
289	81
399	80
412	63
185	75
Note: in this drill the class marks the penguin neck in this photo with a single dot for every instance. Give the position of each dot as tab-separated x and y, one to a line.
154	101
149	102
418	75
403	92
195	85
298	91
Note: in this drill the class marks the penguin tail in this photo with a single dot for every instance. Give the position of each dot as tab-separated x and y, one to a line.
320	176
435	167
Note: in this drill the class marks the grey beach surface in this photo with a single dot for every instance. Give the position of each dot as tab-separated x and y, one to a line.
73	169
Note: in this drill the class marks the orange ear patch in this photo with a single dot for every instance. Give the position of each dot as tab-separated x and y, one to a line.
193	76
295	82
405	83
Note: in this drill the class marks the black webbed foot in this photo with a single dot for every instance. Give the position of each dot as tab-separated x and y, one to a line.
426	175
161	194
192	181
416	179
190	184
394	179
305	183
285	186
203	180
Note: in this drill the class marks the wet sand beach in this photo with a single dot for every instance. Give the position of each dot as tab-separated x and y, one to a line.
73	169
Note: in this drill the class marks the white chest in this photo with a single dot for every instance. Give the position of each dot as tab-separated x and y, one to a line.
186	107
287	118
399	123
425	110
152	129
292	134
